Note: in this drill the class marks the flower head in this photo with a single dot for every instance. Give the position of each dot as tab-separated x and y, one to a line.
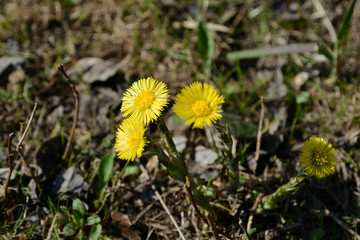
199	104
145	99
318	157
130	140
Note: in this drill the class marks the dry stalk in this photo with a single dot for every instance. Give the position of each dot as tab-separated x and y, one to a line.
19	145
244	229
19	149
11	167
253	211
325	19
76	97
143	170
258	140
52	227
338	221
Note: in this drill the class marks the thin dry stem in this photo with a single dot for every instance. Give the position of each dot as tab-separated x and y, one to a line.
352	232
19	145
11	167
258	140
52	227
143	170
325	19
244	229
76	97
26	129
253	211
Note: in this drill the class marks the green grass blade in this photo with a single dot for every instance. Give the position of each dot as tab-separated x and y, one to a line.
206	45
346	24
324	51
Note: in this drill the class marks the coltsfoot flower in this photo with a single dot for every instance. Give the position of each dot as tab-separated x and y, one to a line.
145	100
199	104
130	140
318	157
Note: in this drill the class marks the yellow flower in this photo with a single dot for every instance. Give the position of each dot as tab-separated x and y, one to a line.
199	104
130	140
318	157
145	100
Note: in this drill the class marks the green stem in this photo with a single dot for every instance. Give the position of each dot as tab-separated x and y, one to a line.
123	170
334	71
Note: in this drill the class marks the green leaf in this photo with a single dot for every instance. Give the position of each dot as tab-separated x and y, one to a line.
303	97
78	211
209	191
206	44
105	170
95	231
316	234
346	24
131	169
251	231
324	51
92	220
81	236
69	229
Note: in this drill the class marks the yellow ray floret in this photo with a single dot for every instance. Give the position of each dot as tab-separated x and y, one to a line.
145	100
199	104
318	157
130	140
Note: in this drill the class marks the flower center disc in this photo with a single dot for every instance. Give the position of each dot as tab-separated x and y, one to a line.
134	140
144	100
320	159
201	108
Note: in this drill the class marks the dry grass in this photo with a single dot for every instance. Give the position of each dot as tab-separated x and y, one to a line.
158	38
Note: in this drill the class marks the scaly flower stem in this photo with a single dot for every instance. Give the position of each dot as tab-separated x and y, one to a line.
225	137
171	145
178	168
286	190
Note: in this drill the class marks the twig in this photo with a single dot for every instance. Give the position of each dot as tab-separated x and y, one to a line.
258	140
19	145
26	129
76	96
10	165
253	210
244	229
51	227
20	152
143	170
142	213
